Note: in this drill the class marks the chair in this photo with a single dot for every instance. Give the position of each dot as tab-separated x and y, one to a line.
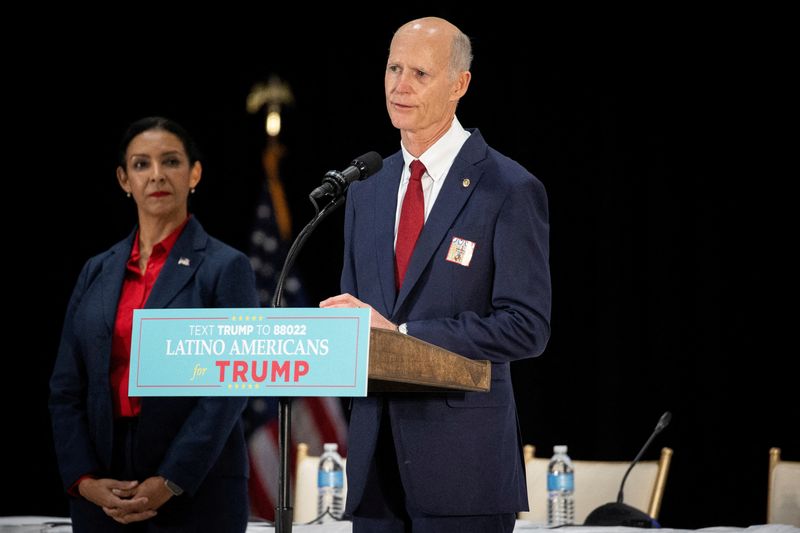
597	483
305	485
783	493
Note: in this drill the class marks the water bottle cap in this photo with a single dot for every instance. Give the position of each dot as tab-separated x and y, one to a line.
560	448
330	446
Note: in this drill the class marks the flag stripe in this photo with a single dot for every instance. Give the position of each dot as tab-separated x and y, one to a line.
264	470
314	420
327	416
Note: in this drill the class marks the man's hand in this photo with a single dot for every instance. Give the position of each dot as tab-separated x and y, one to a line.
346	300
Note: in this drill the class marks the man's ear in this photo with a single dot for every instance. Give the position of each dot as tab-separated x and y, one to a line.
461	85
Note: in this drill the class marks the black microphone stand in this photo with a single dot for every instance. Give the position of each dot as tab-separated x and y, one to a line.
284	511
619	513
665	418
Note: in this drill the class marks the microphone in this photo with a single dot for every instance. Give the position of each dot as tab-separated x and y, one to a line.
619	513
335	183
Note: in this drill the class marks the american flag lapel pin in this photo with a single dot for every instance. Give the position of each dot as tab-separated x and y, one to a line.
184	261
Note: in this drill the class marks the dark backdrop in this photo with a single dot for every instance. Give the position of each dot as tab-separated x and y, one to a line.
661	254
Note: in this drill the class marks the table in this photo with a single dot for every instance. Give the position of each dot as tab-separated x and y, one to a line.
50	524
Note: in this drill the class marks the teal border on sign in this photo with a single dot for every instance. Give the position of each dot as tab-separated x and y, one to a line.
250	352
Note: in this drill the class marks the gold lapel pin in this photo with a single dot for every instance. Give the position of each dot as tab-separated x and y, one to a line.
465	182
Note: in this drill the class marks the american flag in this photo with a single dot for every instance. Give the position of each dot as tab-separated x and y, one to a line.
315	421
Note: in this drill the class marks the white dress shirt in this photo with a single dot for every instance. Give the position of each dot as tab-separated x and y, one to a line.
437	160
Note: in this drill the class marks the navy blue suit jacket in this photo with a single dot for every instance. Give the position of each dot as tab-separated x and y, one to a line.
458	453
186	440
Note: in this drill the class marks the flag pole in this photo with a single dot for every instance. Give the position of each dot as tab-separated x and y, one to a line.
273	94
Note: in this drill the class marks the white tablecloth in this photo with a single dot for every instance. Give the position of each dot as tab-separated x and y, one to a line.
49	524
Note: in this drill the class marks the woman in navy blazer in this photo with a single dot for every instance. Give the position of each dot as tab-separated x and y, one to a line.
149	464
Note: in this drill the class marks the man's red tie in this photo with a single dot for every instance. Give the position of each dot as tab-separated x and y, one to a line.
412	218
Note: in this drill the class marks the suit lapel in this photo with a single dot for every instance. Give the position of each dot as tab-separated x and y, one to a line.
113	275
183	261
449	203
385	211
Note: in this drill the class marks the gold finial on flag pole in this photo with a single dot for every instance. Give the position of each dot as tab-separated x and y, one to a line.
273	95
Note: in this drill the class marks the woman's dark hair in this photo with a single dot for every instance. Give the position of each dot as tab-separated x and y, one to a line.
159	123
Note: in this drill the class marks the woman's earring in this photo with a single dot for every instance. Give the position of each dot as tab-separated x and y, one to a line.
128	194
192	191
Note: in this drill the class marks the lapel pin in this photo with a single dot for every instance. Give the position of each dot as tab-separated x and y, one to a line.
184	261
465	182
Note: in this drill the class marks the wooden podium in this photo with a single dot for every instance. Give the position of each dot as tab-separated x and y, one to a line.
397	363
400	363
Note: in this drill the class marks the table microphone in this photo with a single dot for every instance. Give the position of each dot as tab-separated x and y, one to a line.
618	513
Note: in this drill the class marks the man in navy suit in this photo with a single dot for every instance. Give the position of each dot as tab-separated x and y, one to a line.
454	252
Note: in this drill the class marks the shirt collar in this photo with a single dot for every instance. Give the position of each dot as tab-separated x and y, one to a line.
161	248
439	158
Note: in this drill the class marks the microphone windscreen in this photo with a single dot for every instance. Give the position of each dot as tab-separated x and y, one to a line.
663	421
368	164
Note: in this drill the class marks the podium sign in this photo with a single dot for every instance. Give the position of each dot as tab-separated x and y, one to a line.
250	352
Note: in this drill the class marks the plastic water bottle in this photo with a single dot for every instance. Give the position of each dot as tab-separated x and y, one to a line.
560	489
330	482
